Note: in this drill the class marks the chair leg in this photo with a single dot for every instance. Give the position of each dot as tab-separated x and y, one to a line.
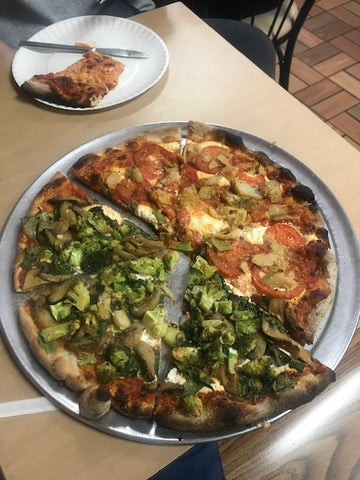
285	61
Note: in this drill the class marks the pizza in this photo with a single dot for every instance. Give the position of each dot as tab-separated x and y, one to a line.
141	174
82	84
96	285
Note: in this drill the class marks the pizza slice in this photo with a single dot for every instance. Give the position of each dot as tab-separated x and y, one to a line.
140	174
65	233
82	84
101	334
268	236
233	363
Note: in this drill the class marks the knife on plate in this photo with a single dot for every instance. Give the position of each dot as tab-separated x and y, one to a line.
116	52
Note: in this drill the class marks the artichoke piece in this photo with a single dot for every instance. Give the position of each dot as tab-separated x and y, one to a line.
32	279
245	189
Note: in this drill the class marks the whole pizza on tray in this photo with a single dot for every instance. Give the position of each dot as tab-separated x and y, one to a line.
261	279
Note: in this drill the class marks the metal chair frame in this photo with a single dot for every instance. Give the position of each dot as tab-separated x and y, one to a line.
285	52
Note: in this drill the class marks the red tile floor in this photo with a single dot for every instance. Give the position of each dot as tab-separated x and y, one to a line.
325	71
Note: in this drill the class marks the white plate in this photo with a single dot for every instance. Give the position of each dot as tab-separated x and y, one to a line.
100	31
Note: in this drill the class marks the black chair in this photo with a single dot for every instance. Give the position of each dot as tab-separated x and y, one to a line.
249	40
280	20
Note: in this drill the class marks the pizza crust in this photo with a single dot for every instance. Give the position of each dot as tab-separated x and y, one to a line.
61	364
82	84
220	410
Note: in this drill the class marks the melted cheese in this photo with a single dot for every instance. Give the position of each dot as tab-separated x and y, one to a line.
214	179
215	387
175	376
153	342
204	223
254	235
145	212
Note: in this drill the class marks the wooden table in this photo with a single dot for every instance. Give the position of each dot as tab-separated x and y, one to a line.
207	80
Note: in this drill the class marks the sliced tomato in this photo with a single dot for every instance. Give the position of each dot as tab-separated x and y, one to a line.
152	159
189	177
129	191
256	276
286	235
228	262
241	159
251	179
202	161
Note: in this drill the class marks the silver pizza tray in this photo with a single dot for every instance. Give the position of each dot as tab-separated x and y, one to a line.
331	341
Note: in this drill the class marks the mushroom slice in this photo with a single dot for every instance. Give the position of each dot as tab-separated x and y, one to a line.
94	402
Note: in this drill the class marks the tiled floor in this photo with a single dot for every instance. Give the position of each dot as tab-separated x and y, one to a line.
325	72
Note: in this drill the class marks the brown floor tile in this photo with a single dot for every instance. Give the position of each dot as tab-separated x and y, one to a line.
347	16
353	7
348	125
315	11
354	36
354	70
334	29
299	48
308	38
312	56
321	20
304	72
295	84
355	112
334	105
328	4
347	46
317	92
334	64
347	82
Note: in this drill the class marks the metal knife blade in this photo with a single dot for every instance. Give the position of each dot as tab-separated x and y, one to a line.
116	52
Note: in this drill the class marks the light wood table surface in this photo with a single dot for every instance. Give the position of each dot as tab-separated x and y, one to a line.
207	80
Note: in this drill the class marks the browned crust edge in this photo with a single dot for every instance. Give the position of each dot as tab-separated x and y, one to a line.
221	411
61	364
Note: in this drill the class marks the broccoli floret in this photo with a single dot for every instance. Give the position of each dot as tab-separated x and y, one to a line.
224	307
99	221
117	356
171	336
192	405
209	295
90	324
149	266
53	332
206	269
105	372
72	255
257	367
186	355
246	322
60	310
170	260
79	296
154	321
